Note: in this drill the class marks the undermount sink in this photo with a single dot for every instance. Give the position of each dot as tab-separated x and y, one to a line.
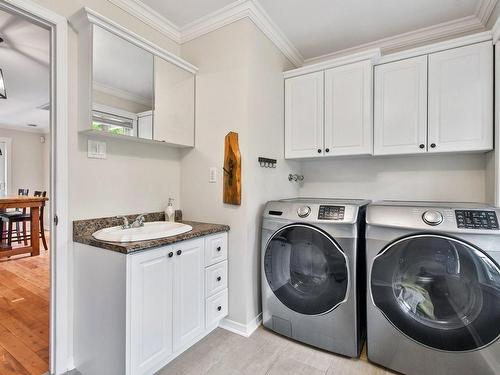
150	231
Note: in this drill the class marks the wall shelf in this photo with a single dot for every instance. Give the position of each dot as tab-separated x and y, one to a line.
127	138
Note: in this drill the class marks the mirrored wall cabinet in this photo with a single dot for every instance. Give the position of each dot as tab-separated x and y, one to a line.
130	88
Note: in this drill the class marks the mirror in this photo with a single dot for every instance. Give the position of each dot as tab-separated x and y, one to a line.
122	86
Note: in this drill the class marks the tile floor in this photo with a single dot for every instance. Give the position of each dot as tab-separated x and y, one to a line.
263	353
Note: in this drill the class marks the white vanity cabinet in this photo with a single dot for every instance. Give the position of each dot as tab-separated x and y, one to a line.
329	112
436	102
135	313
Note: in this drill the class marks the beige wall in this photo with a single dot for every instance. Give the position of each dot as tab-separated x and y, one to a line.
28	160
239	88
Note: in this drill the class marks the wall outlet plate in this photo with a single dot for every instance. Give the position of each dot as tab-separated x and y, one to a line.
96	149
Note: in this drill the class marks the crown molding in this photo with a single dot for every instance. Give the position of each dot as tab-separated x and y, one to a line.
150	17
484	10
236	11
122	94
410	39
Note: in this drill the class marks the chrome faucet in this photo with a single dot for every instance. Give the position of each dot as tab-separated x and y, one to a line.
138	222
125	225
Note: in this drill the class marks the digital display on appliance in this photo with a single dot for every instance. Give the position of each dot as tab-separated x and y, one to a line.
474	219
331	212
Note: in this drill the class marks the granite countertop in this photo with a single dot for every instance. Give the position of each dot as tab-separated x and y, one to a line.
83	229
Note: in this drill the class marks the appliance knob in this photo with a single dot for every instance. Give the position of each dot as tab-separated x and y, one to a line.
432	217
304	211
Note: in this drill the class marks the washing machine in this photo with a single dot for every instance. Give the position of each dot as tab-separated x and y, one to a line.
312	252
433	301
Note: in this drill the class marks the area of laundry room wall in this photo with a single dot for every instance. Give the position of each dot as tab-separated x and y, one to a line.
451	177
239	88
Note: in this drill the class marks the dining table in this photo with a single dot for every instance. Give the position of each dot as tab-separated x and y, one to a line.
20	202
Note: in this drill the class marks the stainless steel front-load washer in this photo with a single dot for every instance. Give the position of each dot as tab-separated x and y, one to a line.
311	250
433	301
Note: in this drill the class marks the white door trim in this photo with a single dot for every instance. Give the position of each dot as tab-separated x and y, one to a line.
8	172
59	301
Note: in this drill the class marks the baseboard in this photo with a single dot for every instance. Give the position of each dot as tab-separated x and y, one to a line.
241	329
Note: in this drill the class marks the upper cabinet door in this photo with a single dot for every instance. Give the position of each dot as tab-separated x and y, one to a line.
189	292
401	107
348	109
304	116
174	98
461	99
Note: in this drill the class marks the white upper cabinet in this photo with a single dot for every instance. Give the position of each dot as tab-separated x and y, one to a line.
461	99
348	109
304	103
174	104
400	124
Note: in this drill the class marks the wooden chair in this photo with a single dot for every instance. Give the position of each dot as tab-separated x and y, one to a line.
15	212
23	217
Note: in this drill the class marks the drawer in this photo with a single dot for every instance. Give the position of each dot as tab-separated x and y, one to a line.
216	308
215	278
215	248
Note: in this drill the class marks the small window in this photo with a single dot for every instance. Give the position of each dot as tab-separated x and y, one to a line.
112	123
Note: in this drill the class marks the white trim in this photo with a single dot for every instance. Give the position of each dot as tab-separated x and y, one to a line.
113	91
495	31
150	17
373	55
60	339
236	11
436	47
86	15
244	330
406	40
8	171
485	9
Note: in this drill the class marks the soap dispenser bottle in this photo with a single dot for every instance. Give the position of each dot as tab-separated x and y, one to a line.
169	211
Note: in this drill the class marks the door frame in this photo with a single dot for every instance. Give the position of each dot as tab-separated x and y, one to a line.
8	168
60	357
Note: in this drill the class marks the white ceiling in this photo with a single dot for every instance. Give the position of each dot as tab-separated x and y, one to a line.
25	62
320	27
122	67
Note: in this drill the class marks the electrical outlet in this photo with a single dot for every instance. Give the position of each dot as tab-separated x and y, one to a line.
96	149
212	175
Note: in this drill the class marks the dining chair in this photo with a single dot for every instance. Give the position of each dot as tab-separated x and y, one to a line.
13	213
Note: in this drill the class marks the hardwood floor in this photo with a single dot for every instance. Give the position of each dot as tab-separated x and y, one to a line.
263	353
24	314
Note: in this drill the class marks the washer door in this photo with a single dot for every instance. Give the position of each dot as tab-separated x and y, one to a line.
306	269
439	291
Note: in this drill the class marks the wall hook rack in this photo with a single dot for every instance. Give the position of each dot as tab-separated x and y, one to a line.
267	163
295	177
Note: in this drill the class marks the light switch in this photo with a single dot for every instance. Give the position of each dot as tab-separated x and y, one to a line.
213	175
96	149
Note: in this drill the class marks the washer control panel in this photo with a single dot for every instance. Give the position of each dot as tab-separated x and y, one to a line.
331	212
303	211
432	217
475	219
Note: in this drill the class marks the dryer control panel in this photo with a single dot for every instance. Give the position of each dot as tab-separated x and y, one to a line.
476	219
331	212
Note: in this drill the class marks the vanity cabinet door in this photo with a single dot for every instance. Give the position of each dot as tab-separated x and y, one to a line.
151	293
174	98
401	107
348	110
189	292
461	99
304	116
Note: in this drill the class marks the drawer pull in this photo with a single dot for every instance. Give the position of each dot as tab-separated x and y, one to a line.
219	248
179	252
219	278
219	308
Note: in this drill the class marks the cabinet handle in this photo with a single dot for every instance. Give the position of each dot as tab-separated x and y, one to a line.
219	248
327	150
433	145
319	151
219	278
421	145
179	252
219	308
170	255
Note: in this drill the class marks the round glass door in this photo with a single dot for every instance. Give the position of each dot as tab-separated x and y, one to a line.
306	269
439	291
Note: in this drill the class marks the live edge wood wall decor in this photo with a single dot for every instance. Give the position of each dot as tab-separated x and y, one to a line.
232	170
